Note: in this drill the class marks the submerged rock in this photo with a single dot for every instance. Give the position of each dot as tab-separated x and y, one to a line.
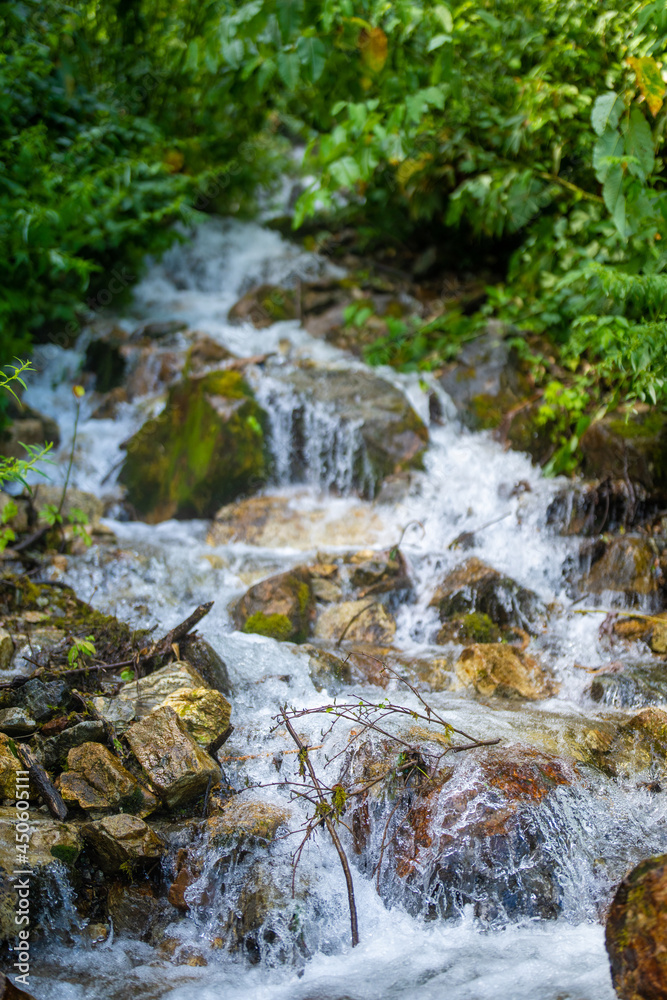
475	587
177	768
121	840
500	670
364	621
203	450
134	910
636	932
633	686
382	433
280	607
482	833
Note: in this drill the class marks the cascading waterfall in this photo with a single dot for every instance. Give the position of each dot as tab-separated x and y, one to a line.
518	926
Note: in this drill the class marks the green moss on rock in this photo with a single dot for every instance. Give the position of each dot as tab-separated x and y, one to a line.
202	451
274	626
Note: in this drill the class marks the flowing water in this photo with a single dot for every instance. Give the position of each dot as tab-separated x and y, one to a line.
591	833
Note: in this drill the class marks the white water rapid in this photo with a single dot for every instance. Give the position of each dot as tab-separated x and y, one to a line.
591	833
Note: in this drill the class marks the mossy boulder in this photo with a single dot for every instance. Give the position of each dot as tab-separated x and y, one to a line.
204	449
636	932
280	607
476	588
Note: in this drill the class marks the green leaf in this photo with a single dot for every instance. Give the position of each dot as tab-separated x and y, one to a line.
614	199
444	15
609	146
345	171
289	17
313	55
639	142
606	112
289	69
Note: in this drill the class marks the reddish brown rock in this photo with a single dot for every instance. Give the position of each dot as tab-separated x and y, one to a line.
636	932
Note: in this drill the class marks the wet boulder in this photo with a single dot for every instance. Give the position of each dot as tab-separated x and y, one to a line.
482	833
50	842
121	840
379	573
247	819
97	782
204	449
16	722
626	564
177	768
264	305
364	418
278	522
365	621
134	910
631	685
639	747
205	712
589	508
631	446
499	670
106	358
474	587
636	932
205	353
280	607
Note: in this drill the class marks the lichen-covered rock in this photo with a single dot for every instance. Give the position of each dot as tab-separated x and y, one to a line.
369	421
203	450
137	698
9	765
121	839
205	712
475	587
280	607
628	564
364	621
279	522
50	841
246	818
500	670
636	932
98	782
177	768
639	747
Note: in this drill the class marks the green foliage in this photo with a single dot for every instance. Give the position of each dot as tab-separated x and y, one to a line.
15	470
80	649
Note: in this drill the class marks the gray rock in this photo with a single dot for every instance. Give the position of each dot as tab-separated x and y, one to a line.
16	722
39	698
56	748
